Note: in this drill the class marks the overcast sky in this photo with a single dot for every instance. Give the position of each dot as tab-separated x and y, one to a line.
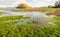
33	3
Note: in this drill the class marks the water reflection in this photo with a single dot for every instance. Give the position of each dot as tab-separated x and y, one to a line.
34	16
21	23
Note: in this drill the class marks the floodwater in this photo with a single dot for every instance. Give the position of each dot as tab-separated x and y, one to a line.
39	17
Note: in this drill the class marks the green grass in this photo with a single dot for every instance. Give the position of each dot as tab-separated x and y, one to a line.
29	29
2	13
21	10
13	18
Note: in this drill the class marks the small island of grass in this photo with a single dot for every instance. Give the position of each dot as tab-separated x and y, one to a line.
2	13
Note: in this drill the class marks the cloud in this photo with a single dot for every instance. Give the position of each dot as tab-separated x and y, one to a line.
40	3
33	3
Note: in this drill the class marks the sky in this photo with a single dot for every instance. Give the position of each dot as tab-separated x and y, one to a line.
32	3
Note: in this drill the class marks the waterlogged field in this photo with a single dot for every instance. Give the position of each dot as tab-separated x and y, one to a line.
10	28
22	26
38	9
48	11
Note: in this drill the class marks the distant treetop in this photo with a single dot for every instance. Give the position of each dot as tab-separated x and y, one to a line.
23	6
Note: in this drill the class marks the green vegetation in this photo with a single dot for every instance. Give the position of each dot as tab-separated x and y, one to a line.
2	13
12	18
22	10
11	29
39	9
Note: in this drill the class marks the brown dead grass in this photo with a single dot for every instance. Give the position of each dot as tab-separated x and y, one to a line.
55	12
